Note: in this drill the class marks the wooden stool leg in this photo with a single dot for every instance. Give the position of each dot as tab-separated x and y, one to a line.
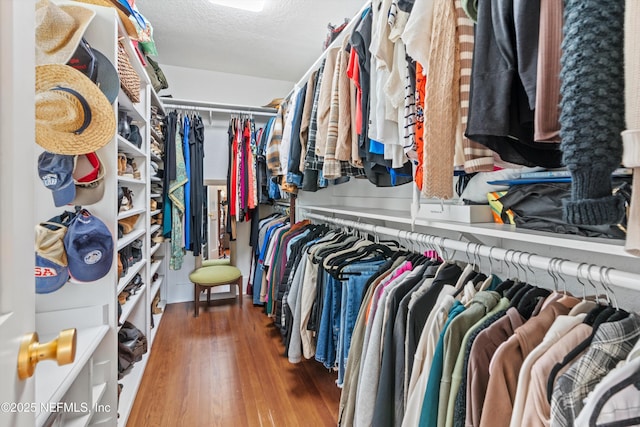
240	290
196	299
208	296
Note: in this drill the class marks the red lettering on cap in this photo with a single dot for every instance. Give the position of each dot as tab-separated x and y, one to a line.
45	272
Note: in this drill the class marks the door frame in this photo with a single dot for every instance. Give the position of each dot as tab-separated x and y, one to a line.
17	201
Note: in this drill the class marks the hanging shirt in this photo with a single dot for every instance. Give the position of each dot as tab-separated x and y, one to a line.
186	128
176	194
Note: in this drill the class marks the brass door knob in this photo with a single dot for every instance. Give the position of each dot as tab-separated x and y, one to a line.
61	349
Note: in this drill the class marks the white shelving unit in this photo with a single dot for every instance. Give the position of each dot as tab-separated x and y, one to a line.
92	308
131	273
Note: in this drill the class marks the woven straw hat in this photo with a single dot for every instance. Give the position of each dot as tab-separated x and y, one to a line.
59	29
72	115
275	103
126	22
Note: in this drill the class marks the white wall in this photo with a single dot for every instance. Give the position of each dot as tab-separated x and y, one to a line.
209	86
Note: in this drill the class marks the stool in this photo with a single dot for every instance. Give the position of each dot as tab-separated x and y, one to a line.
219	261
217	275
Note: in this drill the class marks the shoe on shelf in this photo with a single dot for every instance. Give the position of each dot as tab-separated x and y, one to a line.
123	297
127	200
134	168
128	172
153	205
122	164
157	219
154	306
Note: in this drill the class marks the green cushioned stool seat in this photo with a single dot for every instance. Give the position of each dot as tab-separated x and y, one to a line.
219	261
204	278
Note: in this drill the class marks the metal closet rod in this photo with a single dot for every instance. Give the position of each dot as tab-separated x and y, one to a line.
216	110
583	271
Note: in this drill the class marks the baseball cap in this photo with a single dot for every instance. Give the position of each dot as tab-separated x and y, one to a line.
89	246
51	270
88	176
93	64
56	173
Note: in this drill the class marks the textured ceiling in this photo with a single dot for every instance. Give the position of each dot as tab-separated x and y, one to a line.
281	42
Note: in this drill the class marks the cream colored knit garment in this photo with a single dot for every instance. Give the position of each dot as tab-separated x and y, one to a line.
632	114
441	103
417	32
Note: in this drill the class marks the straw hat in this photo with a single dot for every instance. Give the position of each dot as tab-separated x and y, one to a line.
275	103
72	115
59	29
128	25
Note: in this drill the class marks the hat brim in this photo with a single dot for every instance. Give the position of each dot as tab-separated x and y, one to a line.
65	195
89	193
99	131
107	78
50	276
275	103
129	26
85	273
83	17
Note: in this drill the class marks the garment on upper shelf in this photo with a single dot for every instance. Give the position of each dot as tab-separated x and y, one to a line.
500	114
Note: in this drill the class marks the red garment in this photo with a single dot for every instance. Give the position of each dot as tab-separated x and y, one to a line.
421	83
353	72
232	172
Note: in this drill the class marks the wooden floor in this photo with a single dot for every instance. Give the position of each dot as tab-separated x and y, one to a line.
227	368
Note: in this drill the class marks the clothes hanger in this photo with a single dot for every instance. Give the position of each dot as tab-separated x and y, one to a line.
489	280
632	380
598	316
507	284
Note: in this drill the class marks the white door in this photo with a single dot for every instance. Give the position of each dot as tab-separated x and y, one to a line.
17	218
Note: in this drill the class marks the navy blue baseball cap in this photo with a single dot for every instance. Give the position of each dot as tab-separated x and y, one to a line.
56	173
89	246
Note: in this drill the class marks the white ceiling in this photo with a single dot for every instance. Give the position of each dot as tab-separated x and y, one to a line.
280	43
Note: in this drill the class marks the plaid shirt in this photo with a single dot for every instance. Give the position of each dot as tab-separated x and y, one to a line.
611	343
273	146
312	160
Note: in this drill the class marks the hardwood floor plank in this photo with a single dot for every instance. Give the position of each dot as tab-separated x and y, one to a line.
227	368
